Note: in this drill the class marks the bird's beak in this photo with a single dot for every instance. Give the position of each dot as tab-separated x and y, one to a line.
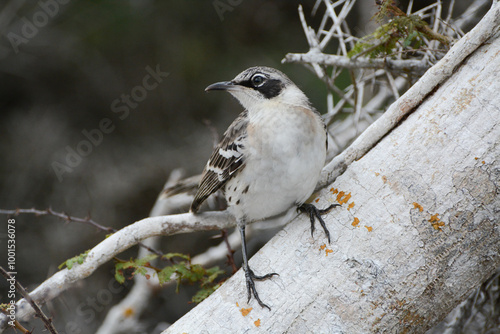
225	85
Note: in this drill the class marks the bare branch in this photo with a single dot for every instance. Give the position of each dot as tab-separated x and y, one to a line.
69	218
409	65
337	21
61	215
38	312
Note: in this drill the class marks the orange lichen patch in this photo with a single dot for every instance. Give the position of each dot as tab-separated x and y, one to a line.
350	206
317	200
257	323
327	251
245	311
434	218
323	246
418	206
435	222
377	174
342	197
384	178
476	158
369	228
334	190
128	312
355	222
437	226
483	162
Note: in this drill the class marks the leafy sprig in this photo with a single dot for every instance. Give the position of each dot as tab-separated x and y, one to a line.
76	259
407	31
181	271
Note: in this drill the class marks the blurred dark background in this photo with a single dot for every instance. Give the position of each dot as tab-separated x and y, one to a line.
67	69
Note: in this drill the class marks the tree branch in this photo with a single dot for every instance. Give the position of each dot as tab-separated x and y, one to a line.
38	312
417	67
69	218
117	243
61	215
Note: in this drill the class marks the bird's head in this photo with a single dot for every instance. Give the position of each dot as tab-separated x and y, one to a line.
260	84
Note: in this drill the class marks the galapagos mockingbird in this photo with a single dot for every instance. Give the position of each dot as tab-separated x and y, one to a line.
270	158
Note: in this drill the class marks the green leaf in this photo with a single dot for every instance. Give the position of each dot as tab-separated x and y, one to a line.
202	294
170	256
76	259
138	266
145	260
166	273
182	271
213	273
120	278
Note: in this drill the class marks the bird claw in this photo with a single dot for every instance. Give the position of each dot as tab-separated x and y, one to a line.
251	290
314	213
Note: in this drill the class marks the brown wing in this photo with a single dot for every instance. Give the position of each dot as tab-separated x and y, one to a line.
225	161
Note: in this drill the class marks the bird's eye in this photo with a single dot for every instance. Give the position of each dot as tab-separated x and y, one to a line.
258	80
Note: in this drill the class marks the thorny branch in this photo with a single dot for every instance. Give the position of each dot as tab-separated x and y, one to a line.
61	215
38	312
66	217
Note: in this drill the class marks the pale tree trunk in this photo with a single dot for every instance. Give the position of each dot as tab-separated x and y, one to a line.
418	230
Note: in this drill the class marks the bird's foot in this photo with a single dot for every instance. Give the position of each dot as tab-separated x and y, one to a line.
314	213
251	290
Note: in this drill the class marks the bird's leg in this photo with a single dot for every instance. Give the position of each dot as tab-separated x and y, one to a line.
249	274
314	213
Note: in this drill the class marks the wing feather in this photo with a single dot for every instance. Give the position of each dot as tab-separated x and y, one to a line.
226	160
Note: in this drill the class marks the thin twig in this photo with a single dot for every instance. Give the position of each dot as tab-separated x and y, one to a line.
61	215
230	251
66	217
39	313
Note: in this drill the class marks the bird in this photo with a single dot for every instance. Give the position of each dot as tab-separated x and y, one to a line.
269	159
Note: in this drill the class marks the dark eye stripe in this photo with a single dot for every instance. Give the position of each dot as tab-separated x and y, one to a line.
270	88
